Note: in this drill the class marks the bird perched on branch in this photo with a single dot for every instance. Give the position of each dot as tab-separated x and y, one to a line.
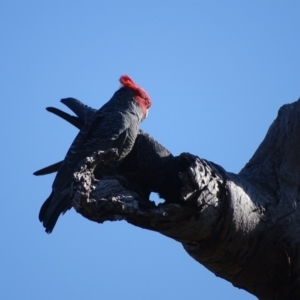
114	125
149	167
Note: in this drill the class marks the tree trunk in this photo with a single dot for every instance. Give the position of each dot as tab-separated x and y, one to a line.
243	227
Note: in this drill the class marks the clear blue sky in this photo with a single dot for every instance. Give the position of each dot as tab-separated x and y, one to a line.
217	72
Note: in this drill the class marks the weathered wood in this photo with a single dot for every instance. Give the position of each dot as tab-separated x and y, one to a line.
243	227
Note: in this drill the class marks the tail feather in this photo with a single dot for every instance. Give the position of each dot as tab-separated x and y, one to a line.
71	119
44	208
84	112
48	170
53	207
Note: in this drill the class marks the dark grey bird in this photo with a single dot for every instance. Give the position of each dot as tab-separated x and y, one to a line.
114	125
149	167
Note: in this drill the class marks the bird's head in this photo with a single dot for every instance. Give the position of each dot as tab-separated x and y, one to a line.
140	95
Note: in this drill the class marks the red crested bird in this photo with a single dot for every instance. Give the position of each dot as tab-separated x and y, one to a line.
149	167
114	125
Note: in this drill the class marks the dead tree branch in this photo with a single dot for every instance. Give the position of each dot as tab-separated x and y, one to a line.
243	227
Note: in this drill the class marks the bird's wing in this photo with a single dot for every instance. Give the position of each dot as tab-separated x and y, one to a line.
101	133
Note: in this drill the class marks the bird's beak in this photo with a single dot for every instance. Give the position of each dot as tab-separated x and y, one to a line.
146	115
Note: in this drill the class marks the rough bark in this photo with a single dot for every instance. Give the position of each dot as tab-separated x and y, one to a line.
243	227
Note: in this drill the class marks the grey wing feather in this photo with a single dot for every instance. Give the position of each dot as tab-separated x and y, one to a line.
82	111
83	114
100	133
